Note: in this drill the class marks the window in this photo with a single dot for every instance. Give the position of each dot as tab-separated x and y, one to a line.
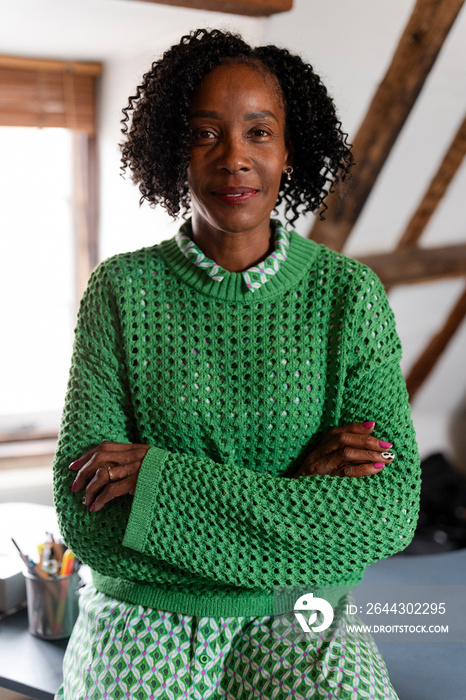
37	285
48	218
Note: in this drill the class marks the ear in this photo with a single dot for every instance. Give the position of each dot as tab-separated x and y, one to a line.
289	154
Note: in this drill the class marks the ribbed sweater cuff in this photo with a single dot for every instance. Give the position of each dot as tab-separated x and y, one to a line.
144	500
206	604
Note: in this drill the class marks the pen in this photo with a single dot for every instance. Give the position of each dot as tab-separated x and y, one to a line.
47	552
29	563
57	548
32	566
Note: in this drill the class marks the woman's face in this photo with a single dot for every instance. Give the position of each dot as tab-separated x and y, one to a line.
238	150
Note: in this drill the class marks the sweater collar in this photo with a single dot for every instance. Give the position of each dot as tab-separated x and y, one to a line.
255	276
300	254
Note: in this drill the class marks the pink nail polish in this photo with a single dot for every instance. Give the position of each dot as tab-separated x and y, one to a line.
92	507
378	465
72	464
73	486
385	445
368	424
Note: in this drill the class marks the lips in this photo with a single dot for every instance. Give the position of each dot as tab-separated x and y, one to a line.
235	195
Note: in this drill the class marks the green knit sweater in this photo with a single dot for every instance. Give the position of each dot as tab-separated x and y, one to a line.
231	389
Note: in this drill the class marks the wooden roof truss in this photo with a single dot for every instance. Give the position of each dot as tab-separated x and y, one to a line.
417	50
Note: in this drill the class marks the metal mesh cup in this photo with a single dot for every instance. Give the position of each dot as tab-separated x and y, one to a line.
52	605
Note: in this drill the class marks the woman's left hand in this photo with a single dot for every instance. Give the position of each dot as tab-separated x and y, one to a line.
107	471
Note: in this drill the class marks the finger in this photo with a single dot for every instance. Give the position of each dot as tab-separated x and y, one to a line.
121	456
106	446
367	441
340	443
96	461
101	479
350	454
339	437
114	490
86	472
339	464
101	458
358	470
318	467
87	456
81	461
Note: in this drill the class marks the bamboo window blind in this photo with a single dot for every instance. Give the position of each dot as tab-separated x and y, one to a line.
44	93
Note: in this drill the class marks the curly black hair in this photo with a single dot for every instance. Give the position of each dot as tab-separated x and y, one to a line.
158	137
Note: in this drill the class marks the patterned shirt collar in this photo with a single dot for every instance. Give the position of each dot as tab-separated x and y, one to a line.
255	276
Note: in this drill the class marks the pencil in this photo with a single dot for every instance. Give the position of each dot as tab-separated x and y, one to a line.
67	563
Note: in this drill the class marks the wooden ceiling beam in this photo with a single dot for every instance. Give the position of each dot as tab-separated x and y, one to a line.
427	360
251	8
414	56
418	264
437	188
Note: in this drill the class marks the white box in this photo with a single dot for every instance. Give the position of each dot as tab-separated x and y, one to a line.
12	584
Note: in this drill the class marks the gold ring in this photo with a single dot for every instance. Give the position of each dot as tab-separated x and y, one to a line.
110	475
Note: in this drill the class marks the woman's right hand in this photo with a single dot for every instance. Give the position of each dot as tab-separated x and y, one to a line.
348	450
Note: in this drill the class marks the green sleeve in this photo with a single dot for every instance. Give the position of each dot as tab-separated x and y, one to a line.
98	407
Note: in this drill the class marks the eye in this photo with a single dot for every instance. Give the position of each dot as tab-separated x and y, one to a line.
259	133
203	135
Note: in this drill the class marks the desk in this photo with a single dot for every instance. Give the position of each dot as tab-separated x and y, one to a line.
424	670
433	670
28	665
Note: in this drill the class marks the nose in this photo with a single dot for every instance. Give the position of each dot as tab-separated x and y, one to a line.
233	155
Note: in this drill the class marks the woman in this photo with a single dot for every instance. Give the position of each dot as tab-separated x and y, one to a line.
220	382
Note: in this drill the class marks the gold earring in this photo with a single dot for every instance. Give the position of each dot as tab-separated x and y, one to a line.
288	170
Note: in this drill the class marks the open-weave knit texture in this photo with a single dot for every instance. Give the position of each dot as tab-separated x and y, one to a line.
231	390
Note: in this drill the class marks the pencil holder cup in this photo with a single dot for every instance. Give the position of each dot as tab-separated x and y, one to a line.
52	605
